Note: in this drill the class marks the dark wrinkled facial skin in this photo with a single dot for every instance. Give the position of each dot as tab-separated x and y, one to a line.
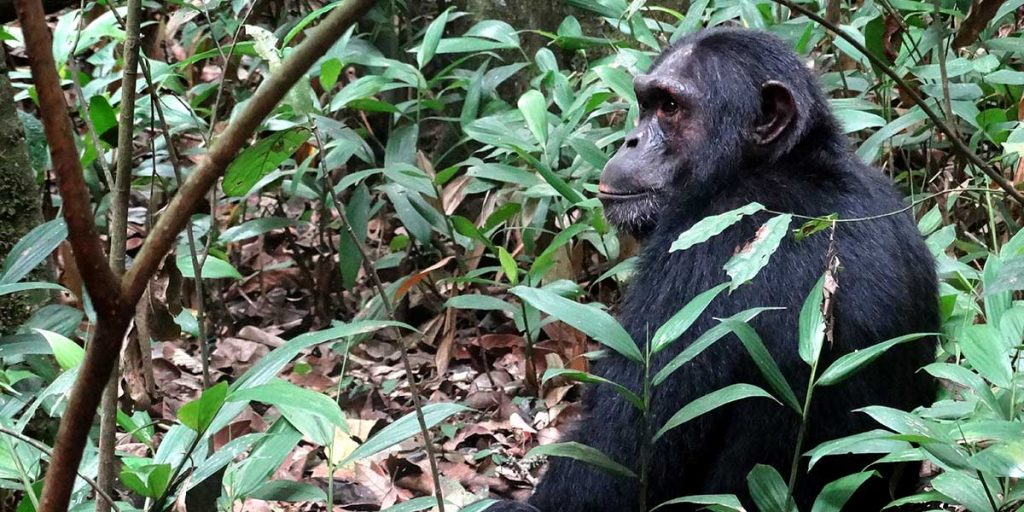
657	156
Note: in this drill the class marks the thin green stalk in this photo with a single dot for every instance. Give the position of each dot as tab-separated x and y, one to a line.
646	445
794	468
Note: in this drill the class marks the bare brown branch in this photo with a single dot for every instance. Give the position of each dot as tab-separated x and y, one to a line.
982	12
110	295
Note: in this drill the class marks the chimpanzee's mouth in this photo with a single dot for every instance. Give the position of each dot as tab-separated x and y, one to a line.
615	195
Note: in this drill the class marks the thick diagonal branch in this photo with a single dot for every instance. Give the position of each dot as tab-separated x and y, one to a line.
114	299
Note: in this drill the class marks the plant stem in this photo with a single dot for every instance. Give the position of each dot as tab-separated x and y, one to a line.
378	285
794	468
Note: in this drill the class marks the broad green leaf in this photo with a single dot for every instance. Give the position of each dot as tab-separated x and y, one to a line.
284	393
857	120
968	379
1003	459
551	177
849	364
768	490
963	489
67	353
259	159
812	324
582	453
984	348
701	343
590	378
710	402
834	496
712	502
714	225
875	441
256	227
270	452
414	505
478	506
684	318
481	302
535	110
765	362
431	38
7	289
213	268
222	457
751	258
289	491
199	413
149	480
871	147
508	266
104	117
32	249
591	321
618	81
404	428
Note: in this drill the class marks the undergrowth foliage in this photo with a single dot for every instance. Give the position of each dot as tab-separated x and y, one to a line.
464	169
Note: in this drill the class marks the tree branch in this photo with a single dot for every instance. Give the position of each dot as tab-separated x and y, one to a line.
982	12
958	144
114	299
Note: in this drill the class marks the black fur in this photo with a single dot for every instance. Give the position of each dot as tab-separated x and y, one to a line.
887	288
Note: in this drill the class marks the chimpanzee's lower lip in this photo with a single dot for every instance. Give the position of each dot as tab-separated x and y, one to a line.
622	195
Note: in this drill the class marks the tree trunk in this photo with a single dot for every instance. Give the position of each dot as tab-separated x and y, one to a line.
19	195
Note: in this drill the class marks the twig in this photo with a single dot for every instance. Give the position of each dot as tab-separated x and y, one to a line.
958	144
118	232
378	285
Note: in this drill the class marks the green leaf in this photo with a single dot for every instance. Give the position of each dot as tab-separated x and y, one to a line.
253	471
710	402
713	502
256	227
591	321
431	38
701	343
963	489
481	302
150	480
414	505
768	490
330	71
213	268
535	110
7	289
289	491
551	177
67	353
508	266
284	393
104	117
714	225
32	249
984	348
849	364
765	362
812	324
968	379
834	495
199	413
684	318
259	159
404	428
751	258
589	378
582	453
1003	459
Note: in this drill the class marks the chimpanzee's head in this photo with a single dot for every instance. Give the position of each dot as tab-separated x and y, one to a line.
713	105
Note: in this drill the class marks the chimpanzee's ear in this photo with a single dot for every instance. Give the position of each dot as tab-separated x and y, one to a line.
778	111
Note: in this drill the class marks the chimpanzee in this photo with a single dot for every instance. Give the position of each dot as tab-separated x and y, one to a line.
729	117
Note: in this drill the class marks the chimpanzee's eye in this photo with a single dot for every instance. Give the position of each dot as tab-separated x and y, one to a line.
669	107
